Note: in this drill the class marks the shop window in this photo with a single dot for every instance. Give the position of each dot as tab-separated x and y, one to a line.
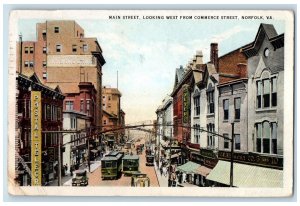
226	109
237	108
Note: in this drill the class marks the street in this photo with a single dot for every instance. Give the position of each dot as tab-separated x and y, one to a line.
124	181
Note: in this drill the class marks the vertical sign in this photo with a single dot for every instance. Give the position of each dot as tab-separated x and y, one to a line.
36	140
186	99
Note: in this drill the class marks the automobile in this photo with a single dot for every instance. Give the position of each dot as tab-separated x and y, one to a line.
80	178
140	180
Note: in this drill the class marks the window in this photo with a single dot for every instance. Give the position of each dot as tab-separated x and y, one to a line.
56	29
48	112
237	108
81	106
266	93
73	123
258	96
85	47
69	105
210	136
274	138
26	50
237	142
88	107
26	63
74	48
31	50
44	33
58	48
44	64
210	102
31	64
109	98
226	141
104	122
196	133
58	113
197	105
266	52
266	137
274	92
44	75
226	108
108	105
44	50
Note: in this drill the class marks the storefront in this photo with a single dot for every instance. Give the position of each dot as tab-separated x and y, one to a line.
249	170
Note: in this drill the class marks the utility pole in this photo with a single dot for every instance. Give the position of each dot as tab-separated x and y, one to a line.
170	184
59	158
89	152
231	158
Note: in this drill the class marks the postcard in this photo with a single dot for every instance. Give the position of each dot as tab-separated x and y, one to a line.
151	103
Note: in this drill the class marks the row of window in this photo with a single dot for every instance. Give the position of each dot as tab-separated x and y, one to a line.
266	95
50	112
88	108
59	48
237	108
77	139
48	139
57	30
31	63
29	50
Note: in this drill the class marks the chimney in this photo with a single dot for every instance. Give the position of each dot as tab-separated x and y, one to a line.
242	70
214	55
194	62
199	57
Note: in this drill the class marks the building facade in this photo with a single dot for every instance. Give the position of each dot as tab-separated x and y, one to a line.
51	124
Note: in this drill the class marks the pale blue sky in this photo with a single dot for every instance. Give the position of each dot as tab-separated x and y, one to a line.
147	52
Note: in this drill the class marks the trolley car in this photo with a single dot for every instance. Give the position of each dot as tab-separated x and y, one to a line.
111	165
130	164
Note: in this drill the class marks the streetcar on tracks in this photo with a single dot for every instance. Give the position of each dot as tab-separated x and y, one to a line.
140	180
111	165
130	164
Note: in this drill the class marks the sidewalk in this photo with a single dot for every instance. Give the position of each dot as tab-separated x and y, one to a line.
162	179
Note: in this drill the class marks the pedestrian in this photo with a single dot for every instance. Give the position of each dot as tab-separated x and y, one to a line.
71	170
161	171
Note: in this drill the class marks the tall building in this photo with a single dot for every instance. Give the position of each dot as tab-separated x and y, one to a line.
113	115
62	55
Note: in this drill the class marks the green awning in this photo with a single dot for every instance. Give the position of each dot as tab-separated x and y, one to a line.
246	175
189	167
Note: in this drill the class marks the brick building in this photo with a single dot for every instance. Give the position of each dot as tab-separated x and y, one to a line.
52	120
113	115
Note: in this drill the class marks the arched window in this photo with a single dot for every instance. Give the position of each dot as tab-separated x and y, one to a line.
266	137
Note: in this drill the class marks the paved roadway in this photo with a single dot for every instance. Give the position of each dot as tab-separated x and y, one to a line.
96	180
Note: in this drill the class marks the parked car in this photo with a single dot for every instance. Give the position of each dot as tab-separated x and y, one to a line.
80	178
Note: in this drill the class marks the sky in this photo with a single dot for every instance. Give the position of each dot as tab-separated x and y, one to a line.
146	53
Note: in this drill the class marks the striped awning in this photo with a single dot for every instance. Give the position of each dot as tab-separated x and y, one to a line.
246	175
189	167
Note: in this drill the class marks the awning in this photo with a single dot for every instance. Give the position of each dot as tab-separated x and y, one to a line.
188	167
202	170
94	151
246	175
